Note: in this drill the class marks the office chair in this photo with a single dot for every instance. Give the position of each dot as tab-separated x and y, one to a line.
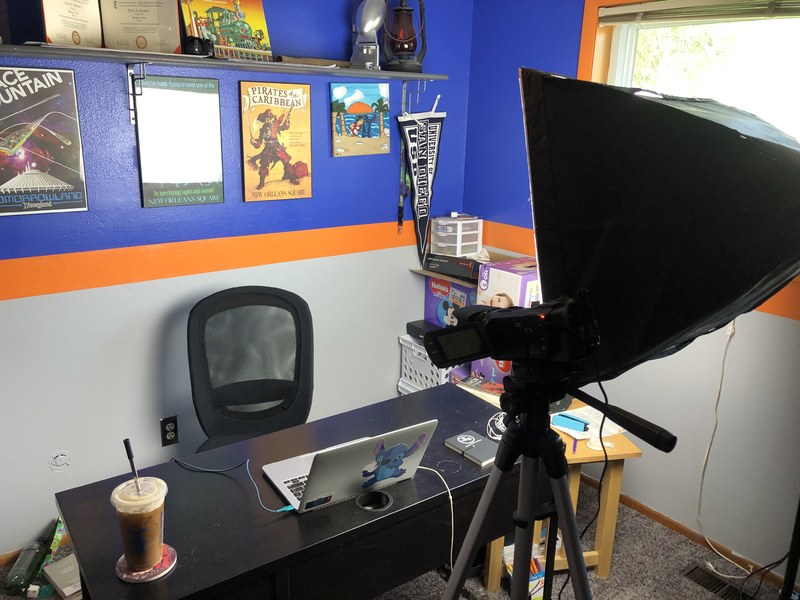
251	354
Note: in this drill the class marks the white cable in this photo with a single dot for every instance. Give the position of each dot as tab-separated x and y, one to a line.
452	513
495	426
730	330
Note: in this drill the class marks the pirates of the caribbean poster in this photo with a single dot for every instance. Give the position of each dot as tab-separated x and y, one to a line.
276	140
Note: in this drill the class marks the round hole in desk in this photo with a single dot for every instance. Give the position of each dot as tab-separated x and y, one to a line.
374	501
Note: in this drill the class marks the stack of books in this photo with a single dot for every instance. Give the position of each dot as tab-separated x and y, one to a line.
535	572
65	577
477	448
486	390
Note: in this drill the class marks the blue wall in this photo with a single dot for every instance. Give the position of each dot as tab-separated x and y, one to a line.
506	36
346	191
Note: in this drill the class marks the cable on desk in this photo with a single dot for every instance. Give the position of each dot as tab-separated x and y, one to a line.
452	513
246	465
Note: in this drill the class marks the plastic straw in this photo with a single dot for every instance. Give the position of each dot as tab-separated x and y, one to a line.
129	452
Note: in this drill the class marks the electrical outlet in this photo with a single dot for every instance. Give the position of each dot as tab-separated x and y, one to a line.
169	430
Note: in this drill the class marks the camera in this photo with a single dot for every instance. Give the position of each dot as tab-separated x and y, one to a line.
560	331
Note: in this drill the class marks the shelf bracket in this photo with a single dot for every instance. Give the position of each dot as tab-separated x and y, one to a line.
135	86
407	103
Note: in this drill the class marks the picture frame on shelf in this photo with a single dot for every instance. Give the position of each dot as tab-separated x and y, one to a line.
153	26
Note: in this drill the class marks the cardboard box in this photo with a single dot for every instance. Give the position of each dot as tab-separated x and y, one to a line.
442	296
513	282
453	266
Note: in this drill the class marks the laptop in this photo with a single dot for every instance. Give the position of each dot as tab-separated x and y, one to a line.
344	471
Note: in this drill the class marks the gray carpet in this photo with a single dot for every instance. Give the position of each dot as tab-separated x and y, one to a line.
648	564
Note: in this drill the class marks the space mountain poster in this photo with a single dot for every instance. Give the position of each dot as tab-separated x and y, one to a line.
421	136
41	162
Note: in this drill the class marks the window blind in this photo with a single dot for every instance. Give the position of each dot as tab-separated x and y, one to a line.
688	11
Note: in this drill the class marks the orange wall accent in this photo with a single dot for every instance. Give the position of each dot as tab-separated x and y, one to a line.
589	34
509	237
40	275
35	276
785	303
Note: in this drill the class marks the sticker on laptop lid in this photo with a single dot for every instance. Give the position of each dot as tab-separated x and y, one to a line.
321	500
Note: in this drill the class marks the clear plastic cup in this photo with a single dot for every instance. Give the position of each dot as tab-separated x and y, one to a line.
141	520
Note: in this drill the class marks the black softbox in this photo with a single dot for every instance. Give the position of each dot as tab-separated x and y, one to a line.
672	215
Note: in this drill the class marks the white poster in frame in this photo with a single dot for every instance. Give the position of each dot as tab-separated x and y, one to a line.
180	141
133	25
72	23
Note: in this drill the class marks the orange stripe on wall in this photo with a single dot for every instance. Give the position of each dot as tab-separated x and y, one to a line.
509	237
40	275
785	303
35	276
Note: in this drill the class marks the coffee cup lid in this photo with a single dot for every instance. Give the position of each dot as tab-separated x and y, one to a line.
126	496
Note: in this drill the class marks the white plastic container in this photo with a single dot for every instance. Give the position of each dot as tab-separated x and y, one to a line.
456	236
417	372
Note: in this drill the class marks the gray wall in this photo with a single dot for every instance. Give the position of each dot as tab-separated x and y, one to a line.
84	370
752	485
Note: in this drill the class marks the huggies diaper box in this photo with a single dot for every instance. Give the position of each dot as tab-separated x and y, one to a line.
442	297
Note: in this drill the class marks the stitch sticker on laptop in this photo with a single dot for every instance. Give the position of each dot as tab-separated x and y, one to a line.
388	462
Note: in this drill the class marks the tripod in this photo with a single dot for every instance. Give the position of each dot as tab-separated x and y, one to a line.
529	390
528	434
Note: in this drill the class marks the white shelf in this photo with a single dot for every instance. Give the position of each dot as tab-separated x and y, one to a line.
47	51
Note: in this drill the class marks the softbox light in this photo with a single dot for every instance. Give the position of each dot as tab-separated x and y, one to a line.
672	215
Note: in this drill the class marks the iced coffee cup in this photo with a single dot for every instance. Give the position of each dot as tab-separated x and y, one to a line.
141	520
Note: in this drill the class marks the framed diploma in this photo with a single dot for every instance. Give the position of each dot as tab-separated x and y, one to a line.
72	23
133	25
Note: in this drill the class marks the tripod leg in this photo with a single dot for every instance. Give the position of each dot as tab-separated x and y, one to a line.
524	517
469	549
550	556
571	538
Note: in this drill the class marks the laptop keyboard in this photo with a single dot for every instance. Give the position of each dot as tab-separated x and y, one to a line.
297	485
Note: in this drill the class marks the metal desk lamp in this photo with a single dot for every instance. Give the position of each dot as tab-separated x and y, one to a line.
369	18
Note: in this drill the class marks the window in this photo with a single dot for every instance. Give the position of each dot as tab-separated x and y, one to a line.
744	54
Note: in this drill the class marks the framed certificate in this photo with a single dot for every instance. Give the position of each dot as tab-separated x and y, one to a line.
72	23
151	26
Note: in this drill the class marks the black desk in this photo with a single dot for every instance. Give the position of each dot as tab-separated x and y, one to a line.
229	547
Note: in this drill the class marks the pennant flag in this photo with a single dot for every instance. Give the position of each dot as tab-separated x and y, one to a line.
421	133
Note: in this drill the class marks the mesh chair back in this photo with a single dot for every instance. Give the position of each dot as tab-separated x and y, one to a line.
250	361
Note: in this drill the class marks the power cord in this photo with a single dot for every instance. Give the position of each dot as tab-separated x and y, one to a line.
496	426
730	331
246	465
766	569
452	513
